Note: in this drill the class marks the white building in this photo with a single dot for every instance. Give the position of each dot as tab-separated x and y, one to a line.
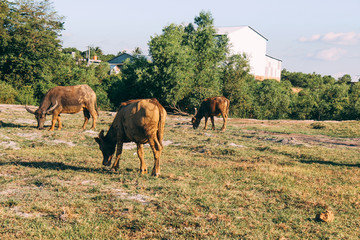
245	39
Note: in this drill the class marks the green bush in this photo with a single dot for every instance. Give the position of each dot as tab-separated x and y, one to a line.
7	94
26	96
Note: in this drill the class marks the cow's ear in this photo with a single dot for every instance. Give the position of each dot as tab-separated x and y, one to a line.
101	134
98	140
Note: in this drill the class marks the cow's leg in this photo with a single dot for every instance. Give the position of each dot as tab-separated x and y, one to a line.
119	148
206	120
94	115
225	116
212	122
157	149
53	121
86	116
59	123
140	153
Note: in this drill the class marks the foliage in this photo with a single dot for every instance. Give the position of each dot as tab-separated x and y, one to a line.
353	109
7	94
186	62
31	46
273	99
26	96
237	84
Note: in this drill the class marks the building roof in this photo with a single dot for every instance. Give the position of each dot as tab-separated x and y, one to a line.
273	58
227	30
120	59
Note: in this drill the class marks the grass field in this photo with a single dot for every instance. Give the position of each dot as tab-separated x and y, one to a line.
257	180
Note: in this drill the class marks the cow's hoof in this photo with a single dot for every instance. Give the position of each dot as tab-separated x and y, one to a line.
113	169
154	174
143	171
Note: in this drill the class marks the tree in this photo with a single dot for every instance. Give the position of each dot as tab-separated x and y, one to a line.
137	51
345	79
236	82
30	47
172	64
209	52
353	110
186	62
272	99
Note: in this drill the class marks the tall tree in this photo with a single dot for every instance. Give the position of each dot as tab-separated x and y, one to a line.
236	85
187	60
30	47
173	65
209	52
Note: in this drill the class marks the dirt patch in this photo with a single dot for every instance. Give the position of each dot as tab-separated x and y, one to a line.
9	145
70	144
91	133
302	139
23	214
126	196
309	140
30	136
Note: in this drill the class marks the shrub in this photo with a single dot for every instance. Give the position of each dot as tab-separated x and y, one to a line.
317	125
7	94
26	96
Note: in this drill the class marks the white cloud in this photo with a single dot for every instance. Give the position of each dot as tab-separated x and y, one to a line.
310	39
331	54
349	38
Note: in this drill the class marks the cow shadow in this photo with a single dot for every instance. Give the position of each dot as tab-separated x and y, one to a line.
309	159
12	125
55	166
330	163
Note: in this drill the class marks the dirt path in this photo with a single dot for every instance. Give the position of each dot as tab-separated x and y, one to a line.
304	139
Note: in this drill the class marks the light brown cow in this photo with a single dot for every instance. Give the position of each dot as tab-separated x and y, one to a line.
140	121
66	99
210	107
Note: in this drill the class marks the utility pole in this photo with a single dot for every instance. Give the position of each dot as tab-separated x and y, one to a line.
89	55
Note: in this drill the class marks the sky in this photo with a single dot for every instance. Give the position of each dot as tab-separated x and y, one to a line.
321	36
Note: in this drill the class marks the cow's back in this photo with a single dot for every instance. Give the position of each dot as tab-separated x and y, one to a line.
139	119
72	98
213	106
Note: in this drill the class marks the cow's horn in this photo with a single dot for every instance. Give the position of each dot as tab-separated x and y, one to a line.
195	111
52	108
29	110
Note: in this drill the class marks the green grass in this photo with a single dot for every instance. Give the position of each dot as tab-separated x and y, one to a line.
245	183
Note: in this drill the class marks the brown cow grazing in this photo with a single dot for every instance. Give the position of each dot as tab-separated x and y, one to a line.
68	99
140	121
210	107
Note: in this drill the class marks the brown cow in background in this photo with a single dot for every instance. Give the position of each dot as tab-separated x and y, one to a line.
66	99
210	107
140	121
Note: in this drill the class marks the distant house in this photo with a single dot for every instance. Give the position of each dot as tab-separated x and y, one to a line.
117	62
94	60
245	39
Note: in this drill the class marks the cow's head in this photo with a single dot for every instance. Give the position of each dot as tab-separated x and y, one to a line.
107	148
40	114
195	121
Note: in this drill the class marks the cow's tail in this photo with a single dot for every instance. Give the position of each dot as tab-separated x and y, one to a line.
161	124
96	108
227	107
